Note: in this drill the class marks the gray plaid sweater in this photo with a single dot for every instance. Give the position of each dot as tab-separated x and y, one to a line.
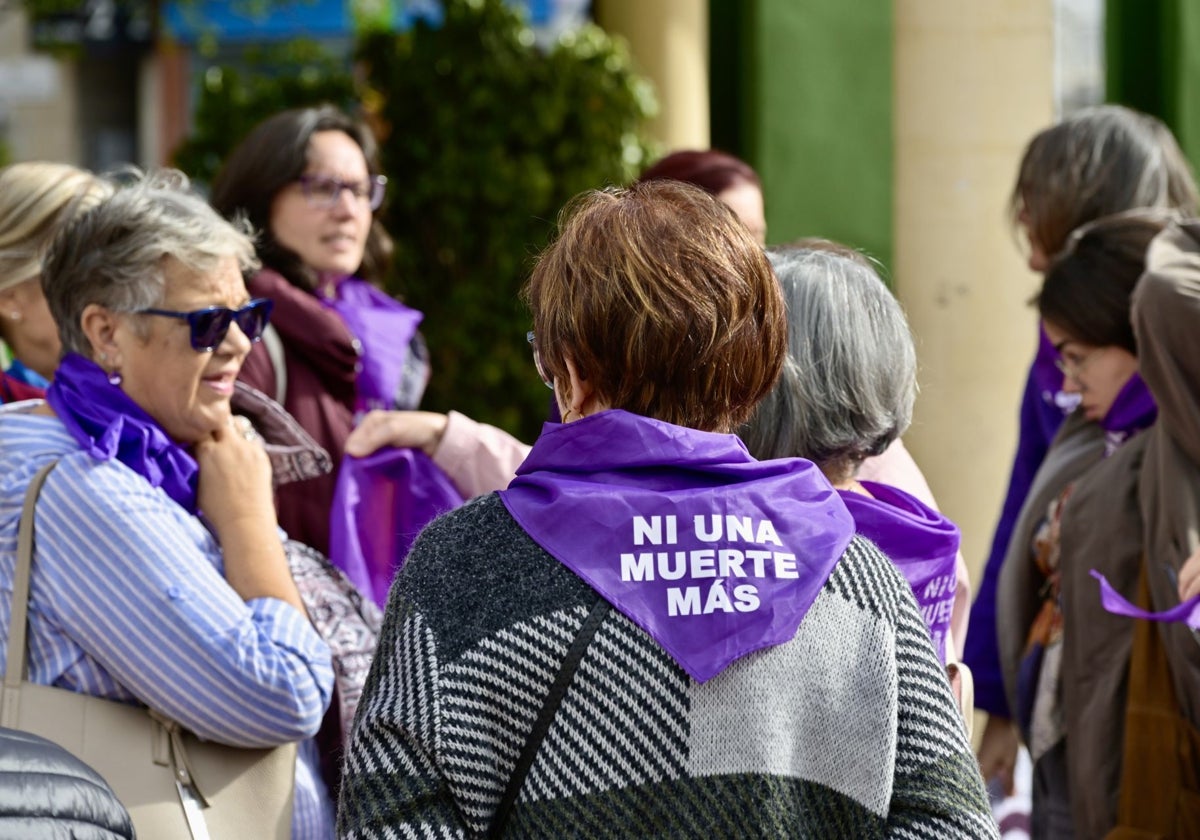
849	730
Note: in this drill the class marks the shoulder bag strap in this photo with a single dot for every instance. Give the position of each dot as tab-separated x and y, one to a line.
16	668
546	717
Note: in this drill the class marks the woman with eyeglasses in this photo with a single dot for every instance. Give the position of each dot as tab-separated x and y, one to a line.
309	182
1045	589
1093	163
159	575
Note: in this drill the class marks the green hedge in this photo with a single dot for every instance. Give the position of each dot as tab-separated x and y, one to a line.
485	136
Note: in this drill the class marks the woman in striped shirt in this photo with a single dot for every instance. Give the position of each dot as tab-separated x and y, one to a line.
159	576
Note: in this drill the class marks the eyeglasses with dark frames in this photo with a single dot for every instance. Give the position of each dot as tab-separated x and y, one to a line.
537	360
210	325
324	192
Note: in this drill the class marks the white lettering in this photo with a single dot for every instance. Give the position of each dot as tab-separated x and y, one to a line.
759	558
785	565
766	533
747	597
702	563
708	536
739	527
718	599
730	562
667	572
639	567
647	530
682	601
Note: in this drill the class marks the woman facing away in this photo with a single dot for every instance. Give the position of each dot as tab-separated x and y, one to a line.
35	199
741	663
157	543
481	458
846	393
1045	591
1094	163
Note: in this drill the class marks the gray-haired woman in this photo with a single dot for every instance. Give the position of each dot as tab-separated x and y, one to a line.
845	394
159	573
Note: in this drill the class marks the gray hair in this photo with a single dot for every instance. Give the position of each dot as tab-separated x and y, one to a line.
849	380
115	253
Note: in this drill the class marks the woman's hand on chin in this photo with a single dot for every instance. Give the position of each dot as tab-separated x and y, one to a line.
235	494
235	476
415	429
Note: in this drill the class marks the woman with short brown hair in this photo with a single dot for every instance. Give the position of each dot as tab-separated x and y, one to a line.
650	632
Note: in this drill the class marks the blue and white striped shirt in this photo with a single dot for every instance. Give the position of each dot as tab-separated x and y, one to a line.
128	601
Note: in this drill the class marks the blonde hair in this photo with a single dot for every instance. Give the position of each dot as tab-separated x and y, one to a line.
35	198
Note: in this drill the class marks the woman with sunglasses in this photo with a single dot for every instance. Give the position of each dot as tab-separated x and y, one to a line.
159	575
309	183
1045	588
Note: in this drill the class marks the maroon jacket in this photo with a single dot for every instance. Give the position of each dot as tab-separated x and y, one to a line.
322	361
14	390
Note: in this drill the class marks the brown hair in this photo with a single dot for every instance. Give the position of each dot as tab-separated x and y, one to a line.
664	302
710	170
273	155
1096	162
1089	287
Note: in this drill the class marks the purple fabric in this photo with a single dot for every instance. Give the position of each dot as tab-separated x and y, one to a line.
711	552
1133	410
385	327
1044	405
381	503
107	424
1187	613
920	541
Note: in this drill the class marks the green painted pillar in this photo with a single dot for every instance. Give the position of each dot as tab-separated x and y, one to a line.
809	105
1152	59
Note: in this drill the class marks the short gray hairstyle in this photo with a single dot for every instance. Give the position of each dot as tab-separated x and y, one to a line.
114	254
849	380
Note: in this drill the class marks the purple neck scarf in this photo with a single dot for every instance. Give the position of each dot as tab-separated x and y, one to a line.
920	541
107	424
711	552
381	503
1187	612
385	327
1133	411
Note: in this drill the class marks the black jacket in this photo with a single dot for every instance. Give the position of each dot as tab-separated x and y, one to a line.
46	793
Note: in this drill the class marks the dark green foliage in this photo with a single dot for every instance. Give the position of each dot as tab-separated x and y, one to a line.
233	100
484	137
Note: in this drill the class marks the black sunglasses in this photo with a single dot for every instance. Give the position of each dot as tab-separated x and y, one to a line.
210	325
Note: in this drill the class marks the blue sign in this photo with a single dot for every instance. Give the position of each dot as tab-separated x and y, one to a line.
238	21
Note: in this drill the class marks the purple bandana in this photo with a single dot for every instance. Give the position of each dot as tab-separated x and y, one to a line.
385	327
711	552
381	503
107	424
920	541
1188	612
1133	410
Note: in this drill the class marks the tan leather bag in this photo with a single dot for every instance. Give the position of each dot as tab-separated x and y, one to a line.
173	784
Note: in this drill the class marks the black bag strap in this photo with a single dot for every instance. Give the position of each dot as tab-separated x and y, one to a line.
549	708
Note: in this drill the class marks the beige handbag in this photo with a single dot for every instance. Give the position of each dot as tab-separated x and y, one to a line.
173	784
